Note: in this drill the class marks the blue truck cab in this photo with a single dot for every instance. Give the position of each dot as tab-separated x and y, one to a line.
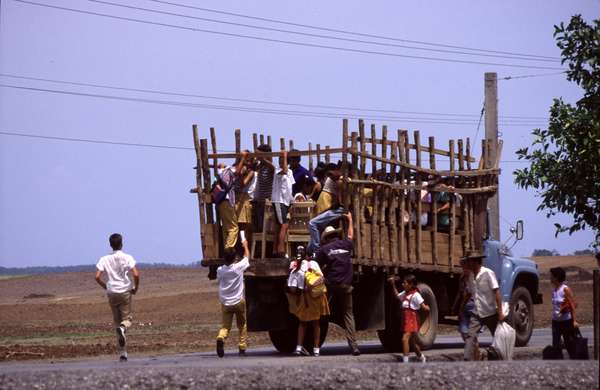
519	285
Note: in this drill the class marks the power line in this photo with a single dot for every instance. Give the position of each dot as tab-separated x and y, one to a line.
135	144
294	43
345	31
93	141
526	76
252	109
319	35
95	85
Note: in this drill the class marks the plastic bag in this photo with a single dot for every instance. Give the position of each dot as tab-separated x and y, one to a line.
504	340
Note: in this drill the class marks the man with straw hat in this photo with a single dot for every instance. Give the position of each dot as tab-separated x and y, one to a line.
488	301
335	258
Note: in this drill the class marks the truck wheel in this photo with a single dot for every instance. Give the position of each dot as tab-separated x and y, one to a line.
428	320
284	340
521	315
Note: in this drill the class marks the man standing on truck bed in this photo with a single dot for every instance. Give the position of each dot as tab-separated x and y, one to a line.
488	302
335	258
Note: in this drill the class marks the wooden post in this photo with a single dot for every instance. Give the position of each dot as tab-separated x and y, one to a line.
269	141
394	194
262	139
206	177
291	143
374	153
384	143
596	304
255	141
213	142
468	152
491	133
434	214
282	144
452	207
318	153
345	168
238	141
419	183
199	186
357	210
361	135
327	155
463	205
405	177
361	175
310	157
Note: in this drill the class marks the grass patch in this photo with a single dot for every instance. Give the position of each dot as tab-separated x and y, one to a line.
8	277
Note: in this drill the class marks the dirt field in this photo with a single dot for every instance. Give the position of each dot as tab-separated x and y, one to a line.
176	310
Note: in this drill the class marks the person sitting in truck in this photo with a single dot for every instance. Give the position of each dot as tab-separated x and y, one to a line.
335	259
563	310
231	294
243	185
264	186
488	302
328	207
304	182
412	301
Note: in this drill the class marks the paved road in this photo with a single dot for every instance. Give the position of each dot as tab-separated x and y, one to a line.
446	348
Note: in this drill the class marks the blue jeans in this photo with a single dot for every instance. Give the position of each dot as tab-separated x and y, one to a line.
317	224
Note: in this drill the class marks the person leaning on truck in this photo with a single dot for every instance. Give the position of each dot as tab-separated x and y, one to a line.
119	288
335	258
488	302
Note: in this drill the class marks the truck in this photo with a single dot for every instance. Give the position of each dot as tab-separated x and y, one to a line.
417	209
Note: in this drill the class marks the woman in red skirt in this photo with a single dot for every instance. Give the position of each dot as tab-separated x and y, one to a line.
412	302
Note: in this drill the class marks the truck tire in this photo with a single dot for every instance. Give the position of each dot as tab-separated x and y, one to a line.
428	320
520	316
284	340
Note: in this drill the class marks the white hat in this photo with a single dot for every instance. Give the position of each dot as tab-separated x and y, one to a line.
329	230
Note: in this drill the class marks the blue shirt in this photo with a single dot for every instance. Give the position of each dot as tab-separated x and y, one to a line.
301	175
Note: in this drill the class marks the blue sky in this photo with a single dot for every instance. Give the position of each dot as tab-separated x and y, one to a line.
59	200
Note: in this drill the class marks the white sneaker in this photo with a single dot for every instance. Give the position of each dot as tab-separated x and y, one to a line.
404	359
301	352
422	358
316	352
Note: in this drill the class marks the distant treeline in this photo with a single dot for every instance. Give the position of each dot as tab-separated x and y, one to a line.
81	268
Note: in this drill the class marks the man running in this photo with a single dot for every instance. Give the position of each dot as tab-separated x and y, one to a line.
119	288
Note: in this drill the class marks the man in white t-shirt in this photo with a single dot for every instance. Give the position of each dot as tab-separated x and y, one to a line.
119	288
488	302
282	198
231	294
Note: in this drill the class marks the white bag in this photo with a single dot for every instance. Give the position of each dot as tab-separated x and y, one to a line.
504	340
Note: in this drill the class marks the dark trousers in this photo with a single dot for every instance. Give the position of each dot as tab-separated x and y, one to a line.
564	329
342	294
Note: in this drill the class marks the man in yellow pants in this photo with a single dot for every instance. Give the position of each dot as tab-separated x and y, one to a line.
231	294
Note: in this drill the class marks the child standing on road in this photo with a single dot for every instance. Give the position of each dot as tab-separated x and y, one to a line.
231	294
412	302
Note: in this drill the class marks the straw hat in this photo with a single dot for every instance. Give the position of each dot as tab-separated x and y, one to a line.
472	254
330	230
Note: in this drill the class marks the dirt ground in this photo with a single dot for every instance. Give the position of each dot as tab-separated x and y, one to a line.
66	315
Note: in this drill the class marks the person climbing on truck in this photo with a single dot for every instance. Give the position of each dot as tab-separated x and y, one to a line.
264	187
328	208
412	302
245	177
335	258
282	198
231	294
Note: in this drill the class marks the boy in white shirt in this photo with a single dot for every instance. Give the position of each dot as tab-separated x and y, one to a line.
119	288
231	294
282	197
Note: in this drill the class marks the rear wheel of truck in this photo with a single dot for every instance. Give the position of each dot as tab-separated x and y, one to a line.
428	320
520	315
391	337
285	340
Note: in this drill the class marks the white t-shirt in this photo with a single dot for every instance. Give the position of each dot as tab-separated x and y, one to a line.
415	299
483	292
231	282
282	187
296	279
117	266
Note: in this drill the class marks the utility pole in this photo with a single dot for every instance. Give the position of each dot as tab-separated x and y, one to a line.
491	133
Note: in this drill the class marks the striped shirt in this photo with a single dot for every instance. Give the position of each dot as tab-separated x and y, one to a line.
264	182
